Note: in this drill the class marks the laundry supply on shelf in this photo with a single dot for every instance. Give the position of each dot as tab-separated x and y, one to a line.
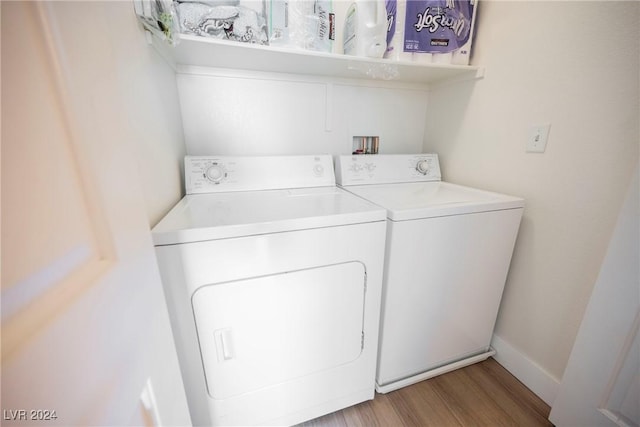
365	29
303	24
439	31
243	21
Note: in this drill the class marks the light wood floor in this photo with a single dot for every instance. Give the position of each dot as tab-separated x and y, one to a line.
483	394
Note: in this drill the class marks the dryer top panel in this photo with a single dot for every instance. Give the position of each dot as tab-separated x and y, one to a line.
200	217
418	200
218	174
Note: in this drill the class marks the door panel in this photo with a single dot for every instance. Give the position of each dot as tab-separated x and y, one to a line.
600	383
263	331
86	337
49	235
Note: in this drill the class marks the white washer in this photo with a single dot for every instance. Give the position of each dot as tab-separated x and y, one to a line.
448	252
273	279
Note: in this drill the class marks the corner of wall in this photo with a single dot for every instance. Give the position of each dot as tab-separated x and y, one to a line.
539	381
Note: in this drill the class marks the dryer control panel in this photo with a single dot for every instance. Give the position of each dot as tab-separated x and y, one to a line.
214	174
387	169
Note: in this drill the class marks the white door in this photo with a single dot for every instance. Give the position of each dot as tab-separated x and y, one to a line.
86	337
601	385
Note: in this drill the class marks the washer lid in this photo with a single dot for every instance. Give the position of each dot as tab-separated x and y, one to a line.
201	217
417	200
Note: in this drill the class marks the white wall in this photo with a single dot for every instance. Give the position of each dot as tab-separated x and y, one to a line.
244	113
150	99
574	65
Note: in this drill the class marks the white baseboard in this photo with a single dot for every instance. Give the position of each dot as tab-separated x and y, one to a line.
539	381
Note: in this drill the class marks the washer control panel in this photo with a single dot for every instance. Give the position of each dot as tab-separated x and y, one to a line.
209	174
387	169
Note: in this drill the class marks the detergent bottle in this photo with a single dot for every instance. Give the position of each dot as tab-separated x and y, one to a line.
365	29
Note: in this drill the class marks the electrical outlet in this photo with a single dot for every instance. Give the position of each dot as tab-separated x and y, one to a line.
537	141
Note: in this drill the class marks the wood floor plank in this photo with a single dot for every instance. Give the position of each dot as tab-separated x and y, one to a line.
335	419
483	394
469	403
384	411
523	396
504	399
418	407
429	407
363	415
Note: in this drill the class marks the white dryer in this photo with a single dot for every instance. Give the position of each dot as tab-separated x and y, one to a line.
448	251
273	279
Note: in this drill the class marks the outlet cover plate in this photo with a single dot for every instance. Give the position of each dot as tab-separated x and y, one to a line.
537	140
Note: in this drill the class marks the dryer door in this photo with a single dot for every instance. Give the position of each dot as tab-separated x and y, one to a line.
266	330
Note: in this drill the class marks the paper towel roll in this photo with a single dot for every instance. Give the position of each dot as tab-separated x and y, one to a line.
442	58
395	48
423	57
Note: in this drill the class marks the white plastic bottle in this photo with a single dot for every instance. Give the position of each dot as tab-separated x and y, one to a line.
365	29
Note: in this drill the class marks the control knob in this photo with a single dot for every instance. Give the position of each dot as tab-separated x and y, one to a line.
215	173
423	167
